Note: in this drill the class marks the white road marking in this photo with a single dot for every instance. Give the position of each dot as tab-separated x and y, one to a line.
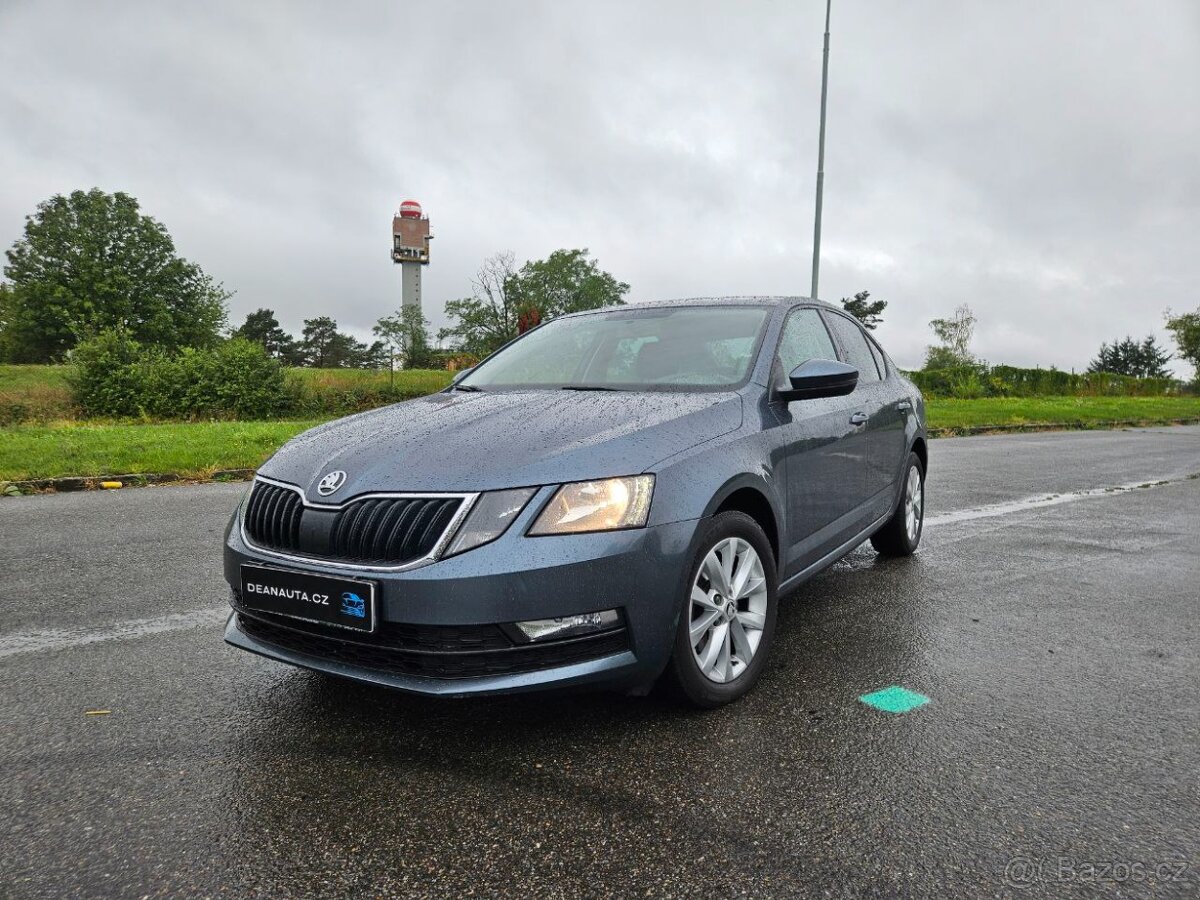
49	639
1015	506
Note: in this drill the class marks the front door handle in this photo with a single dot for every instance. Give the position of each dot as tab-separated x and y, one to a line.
858	418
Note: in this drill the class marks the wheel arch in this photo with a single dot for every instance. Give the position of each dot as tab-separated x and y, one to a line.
919	447
746	495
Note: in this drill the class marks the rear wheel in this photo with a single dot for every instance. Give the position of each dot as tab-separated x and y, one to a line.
901	534
728	615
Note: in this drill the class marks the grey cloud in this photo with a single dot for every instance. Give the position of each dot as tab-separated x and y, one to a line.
1037	161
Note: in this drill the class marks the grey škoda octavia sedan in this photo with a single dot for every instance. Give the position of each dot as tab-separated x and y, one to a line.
613	496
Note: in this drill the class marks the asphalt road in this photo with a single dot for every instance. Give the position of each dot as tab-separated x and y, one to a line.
1058	639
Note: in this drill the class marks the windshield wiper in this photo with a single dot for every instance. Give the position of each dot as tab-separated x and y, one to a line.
587	387
469	388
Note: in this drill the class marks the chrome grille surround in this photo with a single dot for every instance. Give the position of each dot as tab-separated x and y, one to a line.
291	526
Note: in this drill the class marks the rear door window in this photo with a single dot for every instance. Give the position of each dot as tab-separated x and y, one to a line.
855	347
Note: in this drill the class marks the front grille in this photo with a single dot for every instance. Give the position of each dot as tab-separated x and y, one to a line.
273	517
427	650
391	531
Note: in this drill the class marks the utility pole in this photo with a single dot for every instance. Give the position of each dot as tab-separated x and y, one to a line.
816	268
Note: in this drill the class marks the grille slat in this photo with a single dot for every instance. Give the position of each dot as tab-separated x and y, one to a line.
390	518
394	536
294	525
344	525
420	525
271	519
380	531
438	523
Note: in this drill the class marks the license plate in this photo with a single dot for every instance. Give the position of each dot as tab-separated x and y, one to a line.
342	602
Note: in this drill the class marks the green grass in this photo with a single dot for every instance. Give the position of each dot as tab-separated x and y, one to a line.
195	450
1066	411
34	394
16	378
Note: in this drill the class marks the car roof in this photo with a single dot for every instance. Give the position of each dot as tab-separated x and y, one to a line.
767	301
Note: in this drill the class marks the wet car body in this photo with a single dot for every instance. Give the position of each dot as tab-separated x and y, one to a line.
816	482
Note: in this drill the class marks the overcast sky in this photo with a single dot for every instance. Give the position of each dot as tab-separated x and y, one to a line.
1037	160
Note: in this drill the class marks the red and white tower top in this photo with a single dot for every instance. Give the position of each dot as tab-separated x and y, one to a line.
410	248
410	234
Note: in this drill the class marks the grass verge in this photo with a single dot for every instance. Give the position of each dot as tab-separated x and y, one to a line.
190	450
196	450
40	395
1072	412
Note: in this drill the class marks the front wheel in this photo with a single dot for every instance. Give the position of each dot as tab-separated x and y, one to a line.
900	535
728	615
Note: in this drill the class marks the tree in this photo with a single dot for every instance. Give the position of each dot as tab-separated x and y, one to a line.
324	347
1129	357
566	281
263	328
864	309
317	342
8	313
488	318
942	358
377	356
90	261
955	335
505	302
406	335
1186	330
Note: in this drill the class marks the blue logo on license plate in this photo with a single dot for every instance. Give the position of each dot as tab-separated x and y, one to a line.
354	605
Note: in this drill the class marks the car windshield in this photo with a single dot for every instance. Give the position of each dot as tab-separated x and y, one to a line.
663	348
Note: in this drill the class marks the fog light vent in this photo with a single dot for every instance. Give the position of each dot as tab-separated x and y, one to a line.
569	626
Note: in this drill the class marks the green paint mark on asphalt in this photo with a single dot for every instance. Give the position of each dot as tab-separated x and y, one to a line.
894	699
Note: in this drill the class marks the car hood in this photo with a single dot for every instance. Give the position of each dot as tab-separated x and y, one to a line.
497	439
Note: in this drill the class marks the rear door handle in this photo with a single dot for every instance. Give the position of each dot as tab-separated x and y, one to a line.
858	418
904	406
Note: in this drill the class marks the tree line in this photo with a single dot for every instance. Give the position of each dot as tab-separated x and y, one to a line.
91	262
505	301
1124	356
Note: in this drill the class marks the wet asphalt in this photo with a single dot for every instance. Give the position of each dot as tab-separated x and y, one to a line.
1059	755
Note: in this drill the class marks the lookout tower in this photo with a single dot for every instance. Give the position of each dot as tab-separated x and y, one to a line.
410	249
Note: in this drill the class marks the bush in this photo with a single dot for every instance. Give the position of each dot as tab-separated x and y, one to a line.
968	387
314	393
108	376
980	380
114	376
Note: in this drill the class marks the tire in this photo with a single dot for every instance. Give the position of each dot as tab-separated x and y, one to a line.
901	534
732	632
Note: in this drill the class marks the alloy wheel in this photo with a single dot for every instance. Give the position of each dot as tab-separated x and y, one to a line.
728	610
914	503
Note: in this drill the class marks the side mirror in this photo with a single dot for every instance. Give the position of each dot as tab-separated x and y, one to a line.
820	378
460	375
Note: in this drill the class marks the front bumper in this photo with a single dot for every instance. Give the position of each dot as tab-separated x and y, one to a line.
516	578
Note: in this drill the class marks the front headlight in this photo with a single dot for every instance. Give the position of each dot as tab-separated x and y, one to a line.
491	515
607	505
